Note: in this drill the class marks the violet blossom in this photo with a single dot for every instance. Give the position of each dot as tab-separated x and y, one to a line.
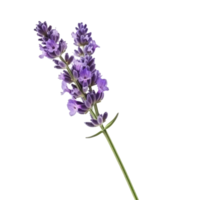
49	37
82	75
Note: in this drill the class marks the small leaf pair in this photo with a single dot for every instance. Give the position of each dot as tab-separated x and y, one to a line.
107	126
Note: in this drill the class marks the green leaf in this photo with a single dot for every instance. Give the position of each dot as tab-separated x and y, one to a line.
94	135
112	121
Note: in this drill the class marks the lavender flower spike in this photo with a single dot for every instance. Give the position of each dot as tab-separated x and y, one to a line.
50	39
79	77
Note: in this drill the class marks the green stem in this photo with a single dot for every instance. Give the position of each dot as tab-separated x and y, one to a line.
121	165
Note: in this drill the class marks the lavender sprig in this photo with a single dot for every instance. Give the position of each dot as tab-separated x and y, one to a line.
82	75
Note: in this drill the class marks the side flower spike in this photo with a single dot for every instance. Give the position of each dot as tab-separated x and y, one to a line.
65	77
56	52
59	64
42	29
97	122
68	58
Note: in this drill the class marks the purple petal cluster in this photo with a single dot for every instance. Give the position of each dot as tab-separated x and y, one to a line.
50	46
65	77
60	65
90	48
102	85
68	59
76	106
83	40
79	74
81	37
97	122
93	98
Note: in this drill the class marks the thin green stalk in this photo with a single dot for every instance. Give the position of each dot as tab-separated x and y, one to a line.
121	165
117	156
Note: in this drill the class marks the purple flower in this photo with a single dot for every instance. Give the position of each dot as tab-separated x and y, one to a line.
46	32
50	39
62	46
95	76
88	61
65	77
65	89
82	29
51	44
43	54
68	59
66	86
42	29
75	74
59	64
90	48
85	75
94	97
102	85
79	52
81	37
46	53
72	35
65	82
73	106
77	65
97	122
75	92
105	116
76	106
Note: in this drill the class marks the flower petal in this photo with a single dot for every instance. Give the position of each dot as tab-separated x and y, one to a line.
89	124
105	116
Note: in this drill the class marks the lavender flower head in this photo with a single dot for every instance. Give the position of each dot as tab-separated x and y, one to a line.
52	46
79	74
